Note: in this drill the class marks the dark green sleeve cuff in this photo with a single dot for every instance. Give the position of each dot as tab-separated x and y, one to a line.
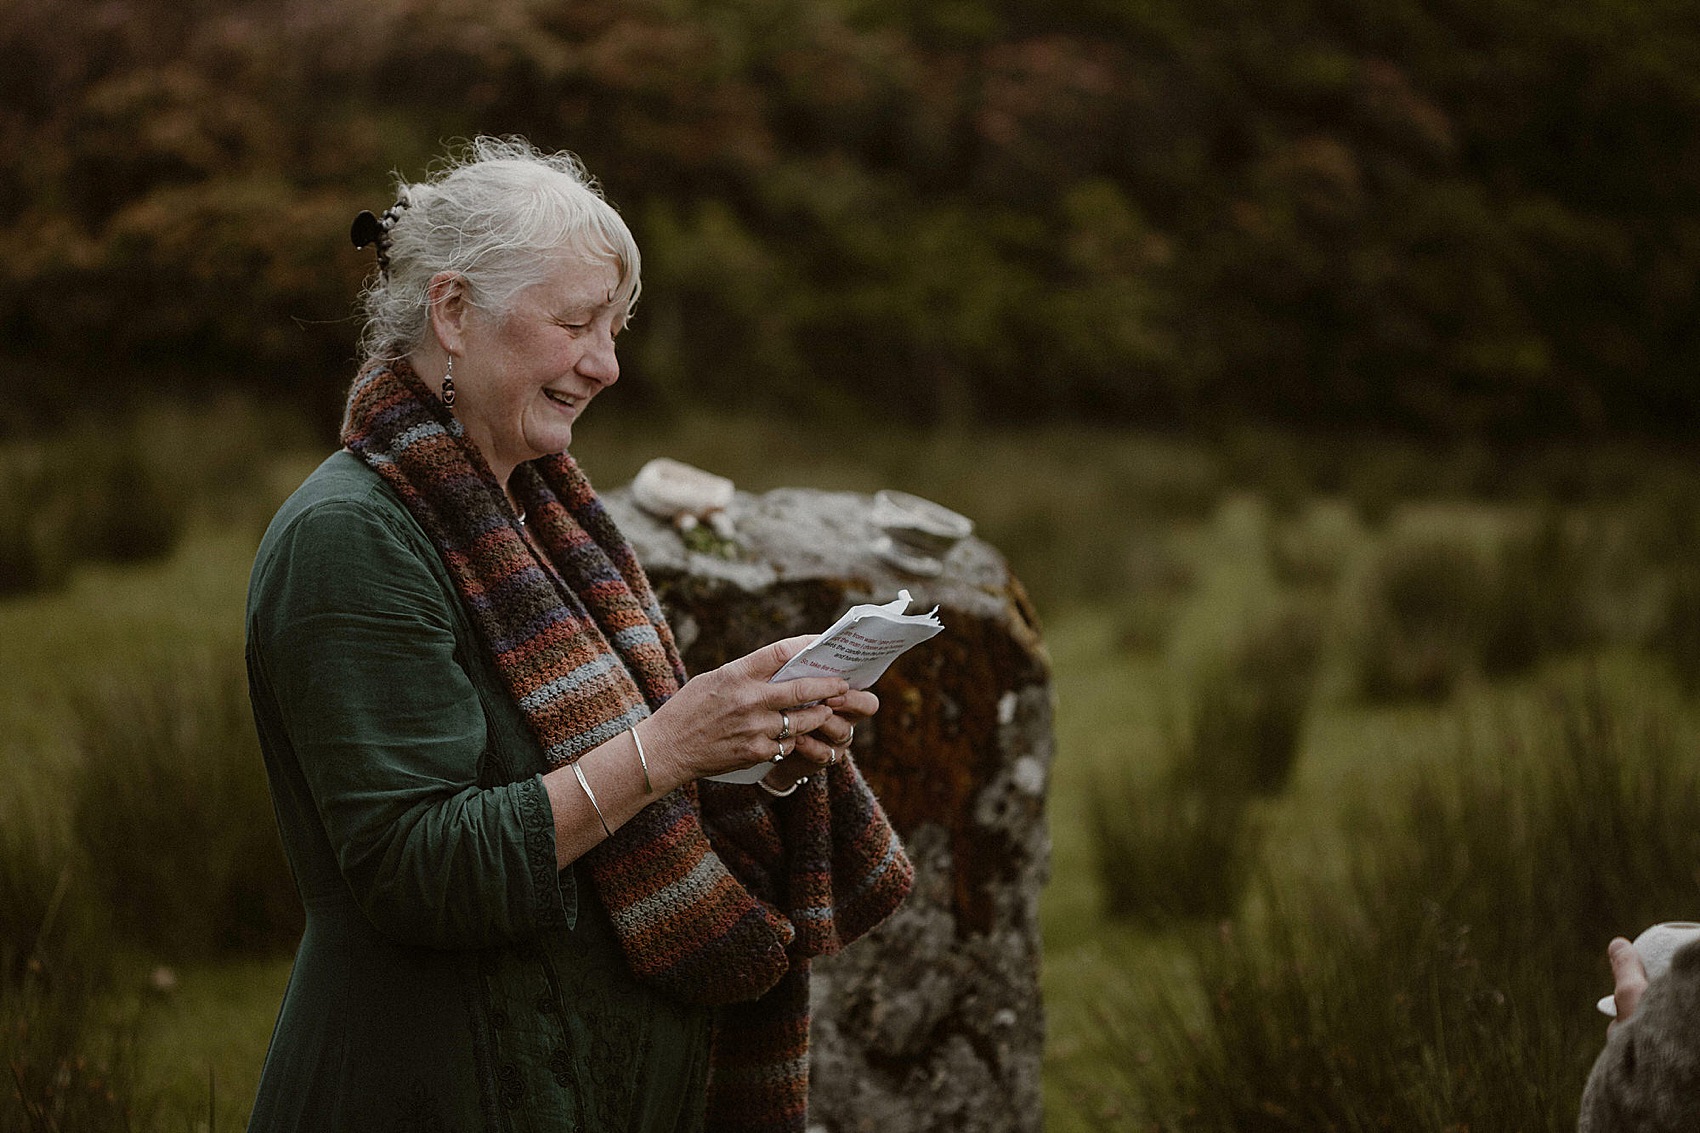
554	891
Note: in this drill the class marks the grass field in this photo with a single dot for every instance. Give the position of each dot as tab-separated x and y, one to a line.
1149	558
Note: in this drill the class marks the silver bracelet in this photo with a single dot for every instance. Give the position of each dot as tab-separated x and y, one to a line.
762	783
643	761
591	795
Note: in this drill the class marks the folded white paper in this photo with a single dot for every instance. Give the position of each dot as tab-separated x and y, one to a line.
860	647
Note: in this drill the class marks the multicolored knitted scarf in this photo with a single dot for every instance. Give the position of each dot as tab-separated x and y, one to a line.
718	894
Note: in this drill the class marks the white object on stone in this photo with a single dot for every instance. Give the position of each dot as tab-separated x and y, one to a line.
916	534
677	492
1656	946
1029	776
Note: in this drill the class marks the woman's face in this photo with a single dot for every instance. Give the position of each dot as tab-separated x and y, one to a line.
523	377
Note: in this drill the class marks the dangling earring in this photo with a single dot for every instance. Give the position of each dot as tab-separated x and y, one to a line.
449	384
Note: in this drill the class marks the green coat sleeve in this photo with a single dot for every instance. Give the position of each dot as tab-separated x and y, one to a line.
356	640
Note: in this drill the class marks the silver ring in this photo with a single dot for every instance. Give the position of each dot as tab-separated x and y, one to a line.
834	758
779	756
784	726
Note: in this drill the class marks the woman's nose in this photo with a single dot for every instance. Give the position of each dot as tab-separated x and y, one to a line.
598	362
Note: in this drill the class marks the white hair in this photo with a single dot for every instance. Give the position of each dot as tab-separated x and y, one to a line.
499	215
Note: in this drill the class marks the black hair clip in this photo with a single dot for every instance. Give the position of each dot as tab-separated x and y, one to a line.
369	229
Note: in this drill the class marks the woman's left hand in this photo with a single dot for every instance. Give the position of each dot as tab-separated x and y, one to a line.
827	744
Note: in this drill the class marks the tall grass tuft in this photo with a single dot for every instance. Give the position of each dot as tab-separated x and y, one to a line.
47	910
68	1064
1427	611
1183	848
80	498
1542	573
35	544
1677	639
1450	984
127	507
65	1061
172	808
1248	707
1169	853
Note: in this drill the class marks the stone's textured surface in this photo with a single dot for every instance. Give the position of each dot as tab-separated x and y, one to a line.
934	1021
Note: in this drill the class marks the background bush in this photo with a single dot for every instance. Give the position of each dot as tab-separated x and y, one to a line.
66	1054
171	806
1248	705
1428	612
1450	983
1168	853
1462	221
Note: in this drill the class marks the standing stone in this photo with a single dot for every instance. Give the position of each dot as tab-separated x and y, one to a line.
934	1020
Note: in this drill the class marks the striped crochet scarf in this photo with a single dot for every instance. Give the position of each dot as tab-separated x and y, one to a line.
718	895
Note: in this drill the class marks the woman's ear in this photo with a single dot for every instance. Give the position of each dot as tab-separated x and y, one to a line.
449	306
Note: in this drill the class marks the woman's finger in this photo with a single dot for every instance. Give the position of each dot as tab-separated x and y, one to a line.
855	703
773	721
836	731
816	751
1630	976
769	659
803	690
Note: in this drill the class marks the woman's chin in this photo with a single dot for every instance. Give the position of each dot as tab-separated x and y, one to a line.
551	441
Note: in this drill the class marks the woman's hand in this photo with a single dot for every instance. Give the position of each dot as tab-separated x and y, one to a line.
1630	977
828	743
732	717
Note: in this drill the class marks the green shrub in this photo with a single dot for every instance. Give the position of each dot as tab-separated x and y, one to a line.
35	529
1167	852
1311	550
1249	706
1450	984
48	915
1183	848
1541	601
172	808
67	1062
85	497
1678	638
1428	608
125	507
1440	607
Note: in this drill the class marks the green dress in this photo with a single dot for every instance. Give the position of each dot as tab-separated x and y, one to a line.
449	977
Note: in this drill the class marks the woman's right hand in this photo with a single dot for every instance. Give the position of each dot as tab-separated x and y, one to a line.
1629	975
730	718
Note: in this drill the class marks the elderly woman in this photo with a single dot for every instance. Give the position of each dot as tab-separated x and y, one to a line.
524	911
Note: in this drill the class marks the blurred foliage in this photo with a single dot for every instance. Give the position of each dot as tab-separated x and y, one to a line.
171	803
85	498
1449	983
1459	218
1248	705
1172	853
